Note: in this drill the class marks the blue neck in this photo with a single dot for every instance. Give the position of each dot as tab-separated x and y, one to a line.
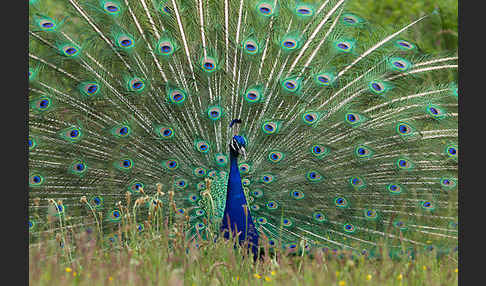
234	178
235	209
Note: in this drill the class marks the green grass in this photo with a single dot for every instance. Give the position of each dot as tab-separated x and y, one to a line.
165	257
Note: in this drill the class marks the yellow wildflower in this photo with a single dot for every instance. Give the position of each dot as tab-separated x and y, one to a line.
237	278
257	276
273	273
424	267
110	278
268	279
68	269
400	276
342	283
74	274
368	277
457	270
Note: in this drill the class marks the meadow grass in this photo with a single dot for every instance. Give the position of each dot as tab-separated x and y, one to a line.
161	254
148	261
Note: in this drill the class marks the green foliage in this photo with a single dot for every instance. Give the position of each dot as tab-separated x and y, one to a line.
436	35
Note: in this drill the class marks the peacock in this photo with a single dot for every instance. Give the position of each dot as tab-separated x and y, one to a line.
298	124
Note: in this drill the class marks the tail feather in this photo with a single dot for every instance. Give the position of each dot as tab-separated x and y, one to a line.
350	138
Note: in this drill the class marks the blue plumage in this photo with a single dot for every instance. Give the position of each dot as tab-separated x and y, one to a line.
237	219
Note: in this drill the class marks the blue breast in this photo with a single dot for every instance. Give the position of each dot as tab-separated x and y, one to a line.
234	211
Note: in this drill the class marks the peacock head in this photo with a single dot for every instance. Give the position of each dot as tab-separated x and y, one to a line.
238	143
237	146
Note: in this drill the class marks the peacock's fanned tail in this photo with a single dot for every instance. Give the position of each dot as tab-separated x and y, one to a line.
350	139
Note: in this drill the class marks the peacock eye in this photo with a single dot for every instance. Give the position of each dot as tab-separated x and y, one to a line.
310	117
340	202
44	103
164	132
71	51
344	46
349	20
349	228
202	146
290	85
265	9
270	127
452	151
92	88
404	44
363	152
137	85
125	42
376	86
404	129
214	112
404	164
398	64
74	133
177	96
289	44
208	64
171	164
304	11
351	118
111	8
313	176
165	49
